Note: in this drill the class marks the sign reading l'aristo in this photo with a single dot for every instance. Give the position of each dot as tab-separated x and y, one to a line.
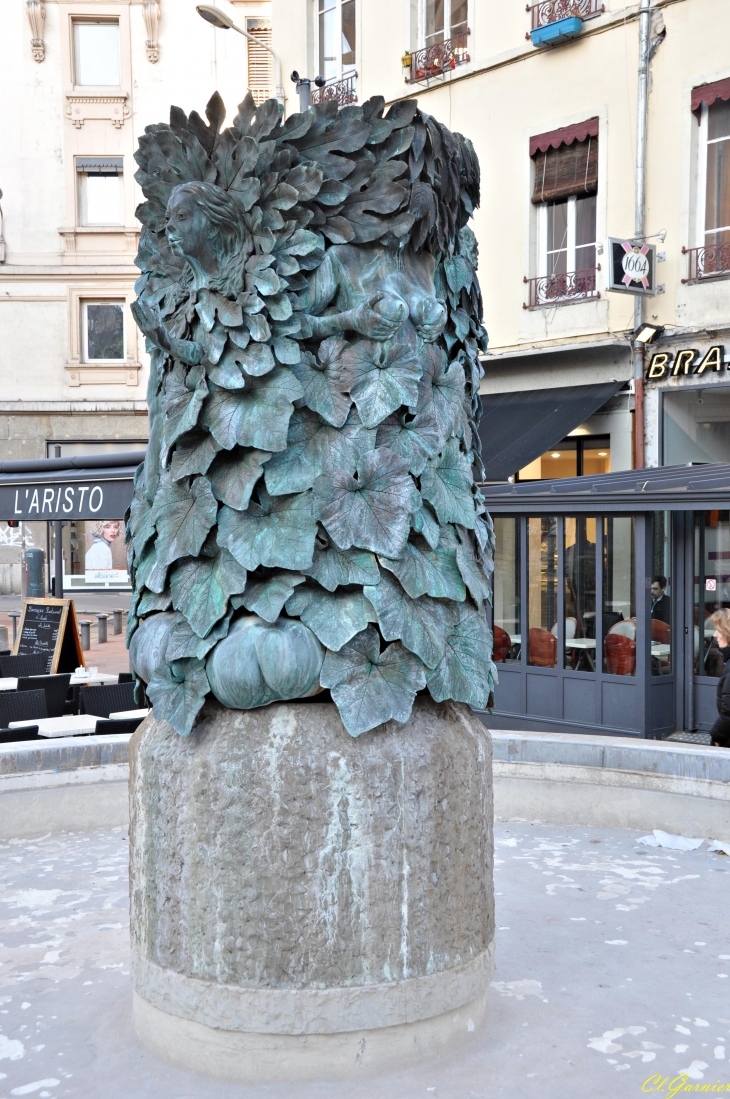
688	360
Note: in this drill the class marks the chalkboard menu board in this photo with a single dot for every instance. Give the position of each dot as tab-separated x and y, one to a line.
49	626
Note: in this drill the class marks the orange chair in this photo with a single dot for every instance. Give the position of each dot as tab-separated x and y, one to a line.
661	632
502	645
620	654
542	651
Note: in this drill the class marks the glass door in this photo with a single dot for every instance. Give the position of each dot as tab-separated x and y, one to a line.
711	592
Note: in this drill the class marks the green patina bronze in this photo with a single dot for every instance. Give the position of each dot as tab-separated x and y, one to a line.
306	516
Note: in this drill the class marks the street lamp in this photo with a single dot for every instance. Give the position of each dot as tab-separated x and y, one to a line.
224	22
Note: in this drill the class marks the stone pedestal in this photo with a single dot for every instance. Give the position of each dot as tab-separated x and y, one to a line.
305	905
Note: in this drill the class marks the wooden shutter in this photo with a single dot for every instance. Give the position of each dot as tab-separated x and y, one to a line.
260	76
568	170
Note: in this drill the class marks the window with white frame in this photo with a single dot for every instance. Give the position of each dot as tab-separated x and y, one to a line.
713	207
100	195
567	235
96	53
336	38
440	20
102	331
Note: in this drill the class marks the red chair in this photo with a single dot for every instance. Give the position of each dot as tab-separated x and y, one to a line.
502	645
620	654
661	632
542	649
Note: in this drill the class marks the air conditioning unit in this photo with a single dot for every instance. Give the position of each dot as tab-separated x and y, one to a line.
560	31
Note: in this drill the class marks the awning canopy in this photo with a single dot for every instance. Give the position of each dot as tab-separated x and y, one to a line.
668	488
518	427
84	486
566	135
708	93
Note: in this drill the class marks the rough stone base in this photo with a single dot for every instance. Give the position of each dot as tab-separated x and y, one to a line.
306	905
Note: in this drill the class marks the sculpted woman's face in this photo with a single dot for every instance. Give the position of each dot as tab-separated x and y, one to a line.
188	232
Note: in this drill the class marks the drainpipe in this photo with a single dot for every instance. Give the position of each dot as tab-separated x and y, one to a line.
640	202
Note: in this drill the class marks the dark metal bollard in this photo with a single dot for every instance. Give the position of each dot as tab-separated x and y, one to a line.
15	615
101	627
85	631
117	620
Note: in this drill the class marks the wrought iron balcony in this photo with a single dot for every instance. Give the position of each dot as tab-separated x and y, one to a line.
423	65
552	11
561	289
343	91
709	262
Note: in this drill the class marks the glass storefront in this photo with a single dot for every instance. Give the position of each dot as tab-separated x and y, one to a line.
661	595
579	580
506	595
711	585
619	597
696	426
542	595
575	456
94	554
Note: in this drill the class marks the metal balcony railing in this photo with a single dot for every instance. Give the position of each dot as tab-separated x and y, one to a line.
550	11
343	91
442	57
709	262
558	289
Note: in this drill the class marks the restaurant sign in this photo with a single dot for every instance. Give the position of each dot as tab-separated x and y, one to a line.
103	499
687	361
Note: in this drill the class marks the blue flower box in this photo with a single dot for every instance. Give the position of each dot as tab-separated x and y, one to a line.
560	31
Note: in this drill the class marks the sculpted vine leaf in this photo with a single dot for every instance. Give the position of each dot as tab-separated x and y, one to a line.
369	687
149	573
184	644
234	474
266	598
416	442
183	516
326	381
441	395
465	671
201	589
258	416
425	571
278	532
333	567
314	447
193	455
471	569
370	510
178	692
447	482
334	618
423	625
235	364
184	393
386	377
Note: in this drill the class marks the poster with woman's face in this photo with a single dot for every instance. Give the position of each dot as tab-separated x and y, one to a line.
106	556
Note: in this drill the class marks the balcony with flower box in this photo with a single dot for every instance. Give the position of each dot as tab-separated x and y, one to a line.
421	66
555	21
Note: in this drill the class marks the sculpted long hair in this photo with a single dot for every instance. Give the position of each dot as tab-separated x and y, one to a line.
228	232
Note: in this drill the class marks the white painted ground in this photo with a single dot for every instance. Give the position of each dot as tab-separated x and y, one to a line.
613	967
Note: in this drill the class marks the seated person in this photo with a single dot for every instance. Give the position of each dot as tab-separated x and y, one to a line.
660	602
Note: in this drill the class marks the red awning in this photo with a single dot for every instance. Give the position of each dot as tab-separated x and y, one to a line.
708	93
568	134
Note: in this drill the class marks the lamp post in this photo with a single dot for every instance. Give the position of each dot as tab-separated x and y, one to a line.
223	22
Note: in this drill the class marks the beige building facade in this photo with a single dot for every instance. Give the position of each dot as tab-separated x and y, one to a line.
554	126
80	81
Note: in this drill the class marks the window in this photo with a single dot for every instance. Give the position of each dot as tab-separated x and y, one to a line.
99	190
714	227
564	192
579	587
542	594
96	53
260	80
507	638
337	38
711	586
102	331
619	608
441	20
575	456
696	426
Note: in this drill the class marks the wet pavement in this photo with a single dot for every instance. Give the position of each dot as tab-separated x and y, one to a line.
613	969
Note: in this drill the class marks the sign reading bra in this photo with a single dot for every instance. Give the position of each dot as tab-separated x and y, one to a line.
48	627
687	361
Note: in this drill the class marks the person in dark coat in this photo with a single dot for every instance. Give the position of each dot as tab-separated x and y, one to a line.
720	731
660	602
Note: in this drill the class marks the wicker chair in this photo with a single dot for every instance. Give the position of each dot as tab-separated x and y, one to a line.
620	654
125	677
22	706
102	701
109	726
55	686
15	666
28	732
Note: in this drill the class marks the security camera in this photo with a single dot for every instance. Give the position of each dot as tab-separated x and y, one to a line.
320	81
295	76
